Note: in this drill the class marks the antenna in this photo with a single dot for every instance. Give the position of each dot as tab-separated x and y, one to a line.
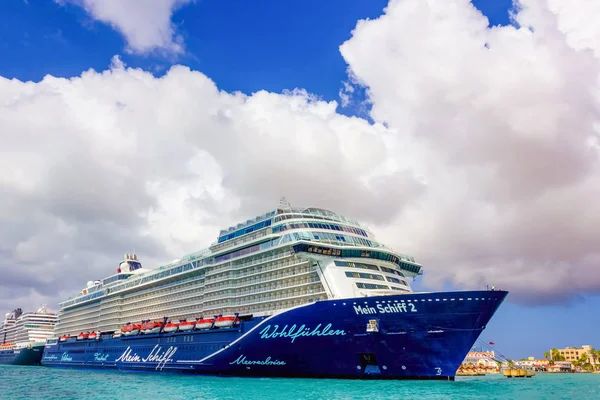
284	204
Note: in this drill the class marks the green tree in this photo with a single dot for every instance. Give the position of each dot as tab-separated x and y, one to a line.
546	355
594	356
556	356
585	362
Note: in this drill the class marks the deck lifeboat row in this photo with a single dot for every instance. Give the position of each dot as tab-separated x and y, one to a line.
82	336
150	327
145	327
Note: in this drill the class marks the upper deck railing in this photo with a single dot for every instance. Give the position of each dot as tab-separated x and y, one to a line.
214	255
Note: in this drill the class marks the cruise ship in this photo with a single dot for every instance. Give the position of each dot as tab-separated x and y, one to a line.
23	336
295	292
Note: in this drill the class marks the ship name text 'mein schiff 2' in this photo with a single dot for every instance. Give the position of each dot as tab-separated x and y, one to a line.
296	292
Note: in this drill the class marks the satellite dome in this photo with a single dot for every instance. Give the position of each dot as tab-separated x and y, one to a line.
90	284
125	266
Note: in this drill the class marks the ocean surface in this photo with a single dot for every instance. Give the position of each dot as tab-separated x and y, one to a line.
18	383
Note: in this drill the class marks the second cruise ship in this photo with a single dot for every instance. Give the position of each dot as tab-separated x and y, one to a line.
23	336
295	292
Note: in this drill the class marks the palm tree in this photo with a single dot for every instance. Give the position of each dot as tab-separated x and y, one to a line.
554	355
594	354
546	355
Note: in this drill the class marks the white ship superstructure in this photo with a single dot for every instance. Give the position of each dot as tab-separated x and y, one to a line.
28	328
284	258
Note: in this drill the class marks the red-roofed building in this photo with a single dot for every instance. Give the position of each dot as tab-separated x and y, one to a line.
485	359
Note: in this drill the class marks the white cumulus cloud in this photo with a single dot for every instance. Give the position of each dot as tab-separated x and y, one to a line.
502	119
145	24
106	162
482	161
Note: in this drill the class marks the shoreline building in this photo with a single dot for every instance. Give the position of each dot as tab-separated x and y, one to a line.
574	353
560	366
486	359
532	363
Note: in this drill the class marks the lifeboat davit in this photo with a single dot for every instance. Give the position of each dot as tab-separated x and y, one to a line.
226	321
186	325
205	323
171	327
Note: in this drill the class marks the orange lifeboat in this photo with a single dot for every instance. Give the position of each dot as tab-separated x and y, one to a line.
171	327
153	327
64	338
93	335
186	325
135	329
131	329
204	323
226	321
82	336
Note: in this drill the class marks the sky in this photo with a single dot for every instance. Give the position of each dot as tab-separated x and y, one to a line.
465	134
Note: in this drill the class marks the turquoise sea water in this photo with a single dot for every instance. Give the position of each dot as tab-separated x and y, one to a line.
18	383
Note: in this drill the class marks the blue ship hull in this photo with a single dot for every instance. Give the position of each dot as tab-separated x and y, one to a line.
418	336
25	356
